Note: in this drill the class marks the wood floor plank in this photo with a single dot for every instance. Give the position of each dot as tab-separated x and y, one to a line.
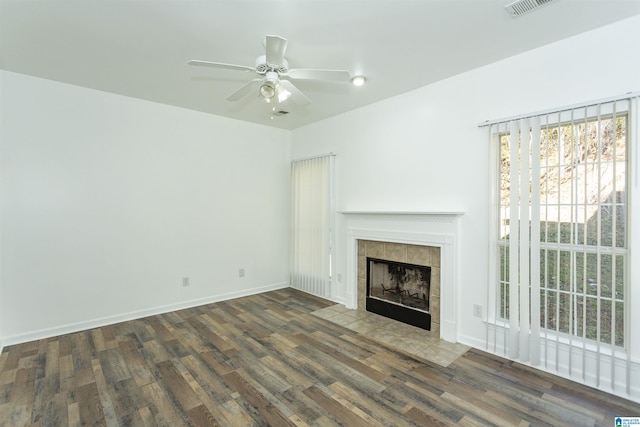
113	365
135	362
424	419
200	416
304	407
82	351
104	392
236	415
160	329
482	412
266	360
288	375
73	415
146	417
334	410
97	340
89	405
127	400
178	386
213	339
377	410
432	405
209	389
258	401
164	411
504	402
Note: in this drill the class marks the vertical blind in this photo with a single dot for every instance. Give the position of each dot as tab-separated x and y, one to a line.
558	293
311	197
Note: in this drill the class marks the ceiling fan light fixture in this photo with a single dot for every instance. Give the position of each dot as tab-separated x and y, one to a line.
358	80
267	90
283	94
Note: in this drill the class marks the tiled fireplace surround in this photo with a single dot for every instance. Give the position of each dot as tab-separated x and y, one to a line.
410	254
428	237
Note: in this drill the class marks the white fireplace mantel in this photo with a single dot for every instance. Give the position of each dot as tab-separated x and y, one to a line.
433	228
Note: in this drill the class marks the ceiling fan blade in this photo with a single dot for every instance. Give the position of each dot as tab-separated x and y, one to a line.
244	90
220	65
309	74
275	47
296	96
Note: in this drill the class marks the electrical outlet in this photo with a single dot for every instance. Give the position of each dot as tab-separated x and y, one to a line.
477	310
185	281
241	272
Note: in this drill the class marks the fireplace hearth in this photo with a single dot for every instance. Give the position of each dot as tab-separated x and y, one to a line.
400	291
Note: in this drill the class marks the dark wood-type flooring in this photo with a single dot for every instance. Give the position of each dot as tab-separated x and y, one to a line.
265	360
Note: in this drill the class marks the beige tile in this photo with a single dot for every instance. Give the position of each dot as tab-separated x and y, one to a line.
418	254
434	255
361	247
339	308
407	338
437	355
435	282
384	335
325	313
362	295
358	314
404	329
374	249
455	348
376	319
399	341
395	252
342	319
361	326
362	267
435	328
434	308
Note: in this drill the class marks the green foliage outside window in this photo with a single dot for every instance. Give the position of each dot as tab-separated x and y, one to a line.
583	211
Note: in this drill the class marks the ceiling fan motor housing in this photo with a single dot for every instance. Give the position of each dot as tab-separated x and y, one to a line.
262	67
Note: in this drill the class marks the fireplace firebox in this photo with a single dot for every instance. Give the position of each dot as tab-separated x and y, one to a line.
399	291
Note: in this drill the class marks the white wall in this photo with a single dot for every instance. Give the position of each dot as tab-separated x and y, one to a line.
108	202
424	151
1	203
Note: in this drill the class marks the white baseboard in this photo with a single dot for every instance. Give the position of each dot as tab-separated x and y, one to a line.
474	342
109	320
338	300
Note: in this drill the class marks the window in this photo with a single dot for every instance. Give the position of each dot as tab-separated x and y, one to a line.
559	290
311	224
582	205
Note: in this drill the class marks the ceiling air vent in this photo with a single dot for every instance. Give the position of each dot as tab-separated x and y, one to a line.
520	7
280	113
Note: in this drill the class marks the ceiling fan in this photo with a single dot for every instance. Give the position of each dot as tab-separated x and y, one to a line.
273	85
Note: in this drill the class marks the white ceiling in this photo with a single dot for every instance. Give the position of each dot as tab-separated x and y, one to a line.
140	48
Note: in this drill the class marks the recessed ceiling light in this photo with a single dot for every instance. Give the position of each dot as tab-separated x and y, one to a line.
358	80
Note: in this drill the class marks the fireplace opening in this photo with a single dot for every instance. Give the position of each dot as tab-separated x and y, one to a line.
399	291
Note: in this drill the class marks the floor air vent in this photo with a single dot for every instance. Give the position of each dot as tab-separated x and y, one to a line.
520	7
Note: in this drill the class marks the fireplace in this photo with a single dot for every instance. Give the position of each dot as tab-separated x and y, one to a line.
420	238
399	291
